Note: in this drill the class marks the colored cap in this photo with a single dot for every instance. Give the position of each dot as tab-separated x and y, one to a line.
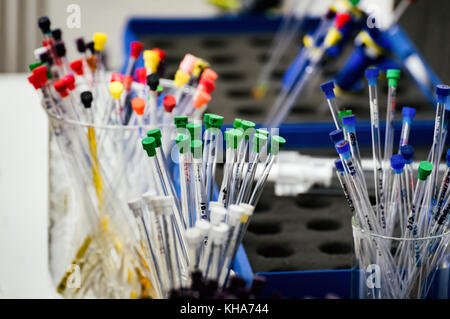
408	153
182	142
77	66
259	141
447	157
181	78
397	163
207	85
99	41
81	46
34	65
44	24
197	148
90	46
61	87
354	2
372	75
349	121
342	147
86	98
393	75
40	74
328	89
116	89
136	48
116	77
336	136
138	105
156	134
60	49
57	34
149	145
32	80
424	170
206	120
342	19
237	123
161	53
215	121
209	74
276	144
262	132
338	164
153	81
141	75
187	64
442	92
201	99
195	130
248	127
169	103
408	112
233	137
70	81
180	121
343	113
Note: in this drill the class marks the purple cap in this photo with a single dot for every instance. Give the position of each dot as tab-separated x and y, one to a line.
442	92
349	120
397	162
447	157
372	75
336	136
408	153
328	89
338	164
408	112
342	147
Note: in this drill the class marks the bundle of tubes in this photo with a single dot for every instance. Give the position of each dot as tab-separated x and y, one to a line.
409	206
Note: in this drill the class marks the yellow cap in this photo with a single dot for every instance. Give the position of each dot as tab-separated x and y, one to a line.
308	41
365	38
199	66
151	60
333	37
244	218
116	89
99	41
181	78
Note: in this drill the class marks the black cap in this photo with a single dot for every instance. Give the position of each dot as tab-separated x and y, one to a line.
46	58
81	46
86	99
60	49
56	34
153	81
90	46
44	24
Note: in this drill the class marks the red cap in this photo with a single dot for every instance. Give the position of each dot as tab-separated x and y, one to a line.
127	80
209	74
32	80
40	74
201	99
70	81
138	105
169	103
141	74
136	48
162	53
77	66
207	85
61	87
116	77
342	19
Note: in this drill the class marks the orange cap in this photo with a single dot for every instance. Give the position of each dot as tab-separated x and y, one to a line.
209	74
138	105
127	80
201	99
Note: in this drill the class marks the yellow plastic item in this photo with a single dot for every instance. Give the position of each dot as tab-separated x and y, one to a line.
99	41
365	38
308	41
244	218
116	89
181	78
199	66
151	60
333	37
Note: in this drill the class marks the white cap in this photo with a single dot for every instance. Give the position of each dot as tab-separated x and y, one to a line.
203	226
193	236
235	213
135	206
147	197
217	215
215	204
248	209
162	202
219	233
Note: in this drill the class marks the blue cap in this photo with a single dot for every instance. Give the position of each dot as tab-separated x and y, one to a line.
372	75
342	147
336	136
408	153
408	112
338	164
447	157
442	92
397	162
328	89
349	120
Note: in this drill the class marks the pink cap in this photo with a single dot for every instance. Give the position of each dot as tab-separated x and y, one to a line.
187	64
116	77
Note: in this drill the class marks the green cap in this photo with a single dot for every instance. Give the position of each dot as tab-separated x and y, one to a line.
156	134
182	141
276	144
248	127
149	145
262	132
343	113
196	148
215	121
180	121
195	129
237	123
233	137
354	2
159	88
425	169
259	141
393	75
34	65
206	120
